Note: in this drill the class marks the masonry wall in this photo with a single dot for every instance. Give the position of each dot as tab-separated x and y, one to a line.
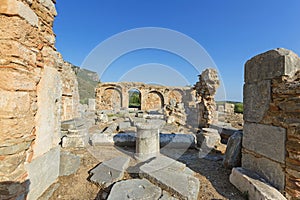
70	93
271	142
30	98
198	104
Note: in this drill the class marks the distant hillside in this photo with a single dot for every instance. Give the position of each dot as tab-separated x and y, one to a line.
87	82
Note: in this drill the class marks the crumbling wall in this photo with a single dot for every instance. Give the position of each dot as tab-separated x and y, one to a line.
30	92
70	93
206	89
194	107
271	142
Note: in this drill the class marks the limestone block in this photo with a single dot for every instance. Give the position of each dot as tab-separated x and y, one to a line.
79	141
257	98
266	140
271	64
271	171
14	7
252	184
208	138
47	166
135	189
48	114
69	163
233	154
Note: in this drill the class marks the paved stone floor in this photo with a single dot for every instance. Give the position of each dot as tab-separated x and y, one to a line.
213	178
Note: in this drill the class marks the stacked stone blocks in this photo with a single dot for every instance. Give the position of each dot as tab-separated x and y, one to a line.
271	112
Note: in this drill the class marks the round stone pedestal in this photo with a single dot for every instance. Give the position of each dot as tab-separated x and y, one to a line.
147	141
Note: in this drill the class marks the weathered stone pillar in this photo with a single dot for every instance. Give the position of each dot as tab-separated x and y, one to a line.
147	141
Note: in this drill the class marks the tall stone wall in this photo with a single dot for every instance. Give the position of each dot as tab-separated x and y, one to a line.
70	93
271	142
30	93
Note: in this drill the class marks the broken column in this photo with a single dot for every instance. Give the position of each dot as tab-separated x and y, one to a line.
147	140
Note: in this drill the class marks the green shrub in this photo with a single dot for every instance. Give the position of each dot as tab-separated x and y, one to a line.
134	99
239	108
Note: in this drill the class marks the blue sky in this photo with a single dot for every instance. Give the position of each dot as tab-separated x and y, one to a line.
231	31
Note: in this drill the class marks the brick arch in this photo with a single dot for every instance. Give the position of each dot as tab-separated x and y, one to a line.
154	100
111	98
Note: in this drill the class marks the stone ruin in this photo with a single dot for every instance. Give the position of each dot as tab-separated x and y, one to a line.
193	106
39	90
271	138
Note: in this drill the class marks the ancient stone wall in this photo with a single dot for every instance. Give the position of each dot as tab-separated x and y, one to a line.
192	106
271	142
70	93
30	92
153	97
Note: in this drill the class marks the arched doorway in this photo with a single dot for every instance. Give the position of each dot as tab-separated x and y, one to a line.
134	99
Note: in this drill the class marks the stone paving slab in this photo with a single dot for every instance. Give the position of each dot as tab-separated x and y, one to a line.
109	172
171	176
135	189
